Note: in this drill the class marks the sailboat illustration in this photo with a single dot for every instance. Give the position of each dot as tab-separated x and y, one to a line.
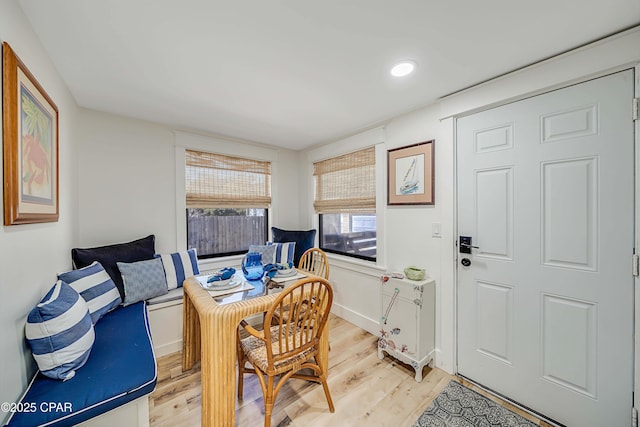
410	183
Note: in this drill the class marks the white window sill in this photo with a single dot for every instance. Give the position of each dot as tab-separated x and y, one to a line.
354	264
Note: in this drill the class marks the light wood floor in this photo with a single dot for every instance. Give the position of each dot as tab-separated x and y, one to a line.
366	391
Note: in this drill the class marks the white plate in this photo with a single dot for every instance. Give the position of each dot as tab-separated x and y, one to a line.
222	295
221	285
286	273
229	285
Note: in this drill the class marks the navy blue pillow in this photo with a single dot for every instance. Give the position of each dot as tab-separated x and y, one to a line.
137	250
304	240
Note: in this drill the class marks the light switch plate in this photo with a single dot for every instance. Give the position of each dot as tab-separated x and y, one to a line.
435	229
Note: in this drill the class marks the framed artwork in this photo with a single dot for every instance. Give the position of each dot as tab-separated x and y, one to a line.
30	138
410	175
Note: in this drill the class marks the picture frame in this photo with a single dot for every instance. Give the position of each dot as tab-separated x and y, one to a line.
410	174
30	139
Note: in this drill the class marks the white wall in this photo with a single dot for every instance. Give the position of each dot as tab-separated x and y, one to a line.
126	181
31	255
409	228
130	186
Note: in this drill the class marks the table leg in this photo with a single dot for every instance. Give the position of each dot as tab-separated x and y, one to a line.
219	369
190	334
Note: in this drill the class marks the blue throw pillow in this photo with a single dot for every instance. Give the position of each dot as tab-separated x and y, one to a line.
284	252
142	280
60	332
178	266
305	239
96	287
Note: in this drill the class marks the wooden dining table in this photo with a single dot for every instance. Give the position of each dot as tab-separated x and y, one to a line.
209	336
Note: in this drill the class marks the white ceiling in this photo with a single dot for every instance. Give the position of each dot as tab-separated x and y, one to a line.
296	73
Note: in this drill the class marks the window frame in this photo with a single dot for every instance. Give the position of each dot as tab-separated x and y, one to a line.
221	181
190	141
233	253
347	254
332	202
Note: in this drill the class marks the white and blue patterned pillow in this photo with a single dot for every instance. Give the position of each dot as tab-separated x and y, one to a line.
94	284
285	252
268	252
142	280
60	332
178	266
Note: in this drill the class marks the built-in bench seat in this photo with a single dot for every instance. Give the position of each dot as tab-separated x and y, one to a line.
165	317
173	295
121	368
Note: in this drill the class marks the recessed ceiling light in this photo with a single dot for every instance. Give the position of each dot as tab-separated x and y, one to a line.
403	68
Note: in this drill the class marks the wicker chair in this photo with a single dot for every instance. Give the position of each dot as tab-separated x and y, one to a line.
291	344
314	261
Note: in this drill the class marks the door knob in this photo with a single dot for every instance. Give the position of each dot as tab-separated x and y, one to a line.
465	245
466	262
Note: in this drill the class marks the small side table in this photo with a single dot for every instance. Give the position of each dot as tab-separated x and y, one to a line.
407	322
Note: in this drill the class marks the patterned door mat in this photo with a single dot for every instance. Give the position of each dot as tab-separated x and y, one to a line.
459	406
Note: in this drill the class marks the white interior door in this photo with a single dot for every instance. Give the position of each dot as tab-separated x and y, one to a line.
545	308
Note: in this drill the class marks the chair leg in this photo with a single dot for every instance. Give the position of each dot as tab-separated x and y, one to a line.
241	363
267	415
240	380
327	393
268	401
325	385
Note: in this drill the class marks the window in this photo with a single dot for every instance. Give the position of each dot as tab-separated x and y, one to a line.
346	202
227	203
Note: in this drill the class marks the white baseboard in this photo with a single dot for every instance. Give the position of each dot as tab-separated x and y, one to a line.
167	348
369	325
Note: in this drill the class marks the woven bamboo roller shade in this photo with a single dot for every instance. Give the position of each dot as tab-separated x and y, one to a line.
346	183
217	180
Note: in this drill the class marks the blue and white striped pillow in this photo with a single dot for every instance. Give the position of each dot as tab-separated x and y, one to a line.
285	252
178	266
94	284
60	332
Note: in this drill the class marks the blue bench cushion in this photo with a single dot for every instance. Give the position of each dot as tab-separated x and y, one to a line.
120	368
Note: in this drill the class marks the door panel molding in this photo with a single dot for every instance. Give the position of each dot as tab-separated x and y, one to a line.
570	216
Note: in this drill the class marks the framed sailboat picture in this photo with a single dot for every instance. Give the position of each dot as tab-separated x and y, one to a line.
410	174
